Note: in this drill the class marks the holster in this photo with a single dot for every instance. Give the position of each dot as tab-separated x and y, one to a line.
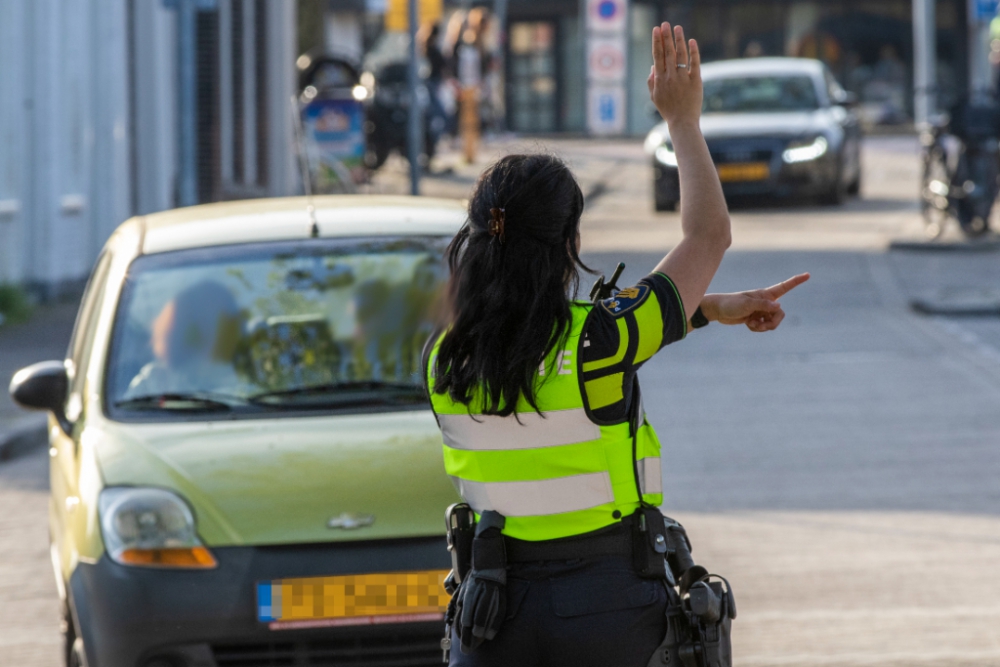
700	606
699	626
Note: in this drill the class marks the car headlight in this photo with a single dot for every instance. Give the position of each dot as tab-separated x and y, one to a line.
804	151
665	155
152	528
654	140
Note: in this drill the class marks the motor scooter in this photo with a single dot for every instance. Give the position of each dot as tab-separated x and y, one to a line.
388	114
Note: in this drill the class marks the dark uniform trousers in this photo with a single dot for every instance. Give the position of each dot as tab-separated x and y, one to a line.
580	613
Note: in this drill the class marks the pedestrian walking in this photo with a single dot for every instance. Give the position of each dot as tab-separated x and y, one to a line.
539	407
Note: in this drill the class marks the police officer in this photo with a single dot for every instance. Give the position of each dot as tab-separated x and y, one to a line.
538	403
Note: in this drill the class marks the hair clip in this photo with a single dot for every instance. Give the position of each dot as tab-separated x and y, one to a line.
496	227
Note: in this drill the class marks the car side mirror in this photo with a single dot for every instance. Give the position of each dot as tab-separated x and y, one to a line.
43	386
846	98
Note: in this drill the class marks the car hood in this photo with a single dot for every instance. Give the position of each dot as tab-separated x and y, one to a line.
281	481
734	125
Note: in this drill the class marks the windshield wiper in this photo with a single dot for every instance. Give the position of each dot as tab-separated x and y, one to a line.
342	393
195	401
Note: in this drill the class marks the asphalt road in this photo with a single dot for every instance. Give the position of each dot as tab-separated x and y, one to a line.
842	472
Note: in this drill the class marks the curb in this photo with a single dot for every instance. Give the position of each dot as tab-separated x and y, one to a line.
26	434
989	245
926	307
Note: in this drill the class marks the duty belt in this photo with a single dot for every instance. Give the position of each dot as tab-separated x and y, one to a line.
615	540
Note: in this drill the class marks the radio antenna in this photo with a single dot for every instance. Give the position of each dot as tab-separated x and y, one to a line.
304	169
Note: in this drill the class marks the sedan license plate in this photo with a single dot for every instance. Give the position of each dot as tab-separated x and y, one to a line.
744	171
356	599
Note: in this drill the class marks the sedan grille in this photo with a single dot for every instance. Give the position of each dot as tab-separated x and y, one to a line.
421	650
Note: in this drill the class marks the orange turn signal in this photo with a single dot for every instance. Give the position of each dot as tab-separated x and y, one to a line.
189	557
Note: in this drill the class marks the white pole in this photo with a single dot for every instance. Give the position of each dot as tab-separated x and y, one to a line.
924	47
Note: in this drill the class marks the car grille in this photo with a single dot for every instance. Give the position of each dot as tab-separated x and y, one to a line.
411	650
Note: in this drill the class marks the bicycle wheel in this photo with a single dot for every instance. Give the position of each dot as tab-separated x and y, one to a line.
935	207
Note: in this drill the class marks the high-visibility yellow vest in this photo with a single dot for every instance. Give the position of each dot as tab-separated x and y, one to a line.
557	473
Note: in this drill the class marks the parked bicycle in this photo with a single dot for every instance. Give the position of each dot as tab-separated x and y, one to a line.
961	168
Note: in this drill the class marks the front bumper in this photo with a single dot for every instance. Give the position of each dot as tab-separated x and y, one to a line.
803	179
130	616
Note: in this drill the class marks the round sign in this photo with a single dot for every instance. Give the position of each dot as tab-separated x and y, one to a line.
607	61
606	15
606	9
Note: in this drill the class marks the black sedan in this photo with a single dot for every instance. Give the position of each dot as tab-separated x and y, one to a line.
774	126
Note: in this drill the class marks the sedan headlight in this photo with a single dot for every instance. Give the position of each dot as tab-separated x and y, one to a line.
654	140
665	155
152	528
805	151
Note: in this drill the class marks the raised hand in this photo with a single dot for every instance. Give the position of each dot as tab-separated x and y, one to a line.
758	309
675	78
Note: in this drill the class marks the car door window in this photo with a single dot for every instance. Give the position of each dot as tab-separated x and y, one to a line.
833	89
83	335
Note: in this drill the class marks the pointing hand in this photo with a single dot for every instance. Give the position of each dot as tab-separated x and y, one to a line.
758	309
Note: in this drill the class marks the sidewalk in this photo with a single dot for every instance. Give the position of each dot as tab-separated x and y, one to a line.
43	337
593	162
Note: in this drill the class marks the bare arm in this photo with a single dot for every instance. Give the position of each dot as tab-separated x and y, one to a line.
675	88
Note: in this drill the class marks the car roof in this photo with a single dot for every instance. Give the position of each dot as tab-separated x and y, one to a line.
761	67
287	218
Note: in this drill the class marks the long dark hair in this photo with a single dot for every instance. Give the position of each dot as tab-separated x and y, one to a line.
509	290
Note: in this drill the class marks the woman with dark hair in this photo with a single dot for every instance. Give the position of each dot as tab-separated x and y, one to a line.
538	403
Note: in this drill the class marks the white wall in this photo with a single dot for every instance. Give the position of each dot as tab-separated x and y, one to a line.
155	112
63	123
13	140
75	158
282	79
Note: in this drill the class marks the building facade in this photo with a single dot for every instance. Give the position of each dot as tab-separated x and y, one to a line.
868	44
112	108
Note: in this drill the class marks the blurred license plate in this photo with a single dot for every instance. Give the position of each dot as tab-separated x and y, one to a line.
744	171
357	599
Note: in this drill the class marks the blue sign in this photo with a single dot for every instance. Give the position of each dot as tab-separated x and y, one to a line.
986	9
607	9
606	110
335	130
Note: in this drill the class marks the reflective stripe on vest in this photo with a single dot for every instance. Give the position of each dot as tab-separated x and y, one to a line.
541	497
650	475
553	474
550	429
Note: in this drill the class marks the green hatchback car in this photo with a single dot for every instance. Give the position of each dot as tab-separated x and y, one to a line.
244	467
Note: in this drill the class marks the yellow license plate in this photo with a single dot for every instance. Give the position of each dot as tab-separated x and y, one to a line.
744	171
355	599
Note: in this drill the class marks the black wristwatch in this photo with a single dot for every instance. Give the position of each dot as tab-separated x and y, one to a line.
698	320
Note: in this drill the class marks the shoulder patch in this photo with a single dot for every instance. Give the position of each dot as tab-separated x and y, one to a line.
627	299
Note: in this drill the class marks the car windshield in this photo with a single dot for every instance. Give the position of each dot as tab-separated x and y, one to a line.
319	324
760	94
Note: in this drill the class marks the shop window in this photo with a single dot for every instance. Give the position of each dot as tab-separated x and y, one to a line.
532	90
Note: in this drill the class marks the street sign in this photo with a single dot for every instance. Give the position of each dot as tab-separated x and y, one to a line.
334	136
606	59
606	109
397	15
607	15
985	9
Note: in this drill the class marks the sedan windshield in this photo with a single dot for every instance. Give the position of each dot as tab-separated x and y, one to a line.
760	94
239	330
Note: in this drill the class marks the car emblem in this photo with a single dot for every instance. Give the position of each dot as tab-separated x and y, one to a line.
350	521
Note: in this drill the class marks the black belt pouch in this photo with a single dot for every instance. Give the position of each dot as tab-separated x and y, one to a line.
650	545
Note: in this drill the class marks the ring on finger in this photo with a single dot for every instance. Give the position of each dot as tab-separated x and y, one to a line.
682	67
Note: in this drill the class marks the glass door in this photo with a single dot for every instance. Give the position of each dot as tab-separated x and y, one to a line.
531	77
